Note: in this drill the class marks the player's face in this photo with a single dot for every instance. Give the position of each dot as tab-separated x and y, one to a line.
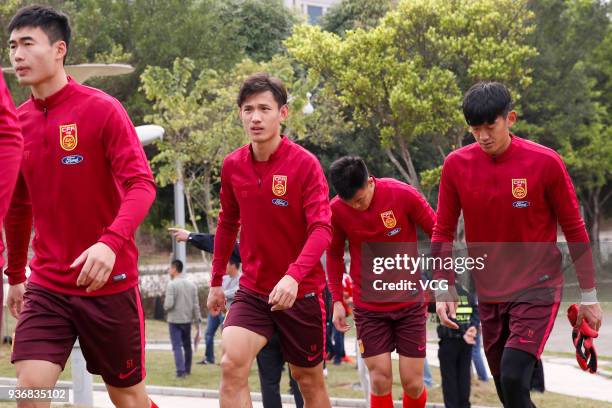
33	57
494	138
261	117
363	197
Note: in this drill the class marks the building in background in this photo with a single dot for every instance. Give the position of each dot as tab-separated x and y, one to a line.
311	9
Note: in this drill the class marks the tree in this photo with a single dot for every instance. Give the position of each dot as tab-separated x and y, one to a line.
568	106
351	14
262	26
405	77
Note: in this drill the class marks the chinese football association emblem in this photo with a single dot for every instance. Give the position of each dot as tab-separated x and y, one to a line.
68	137
388	219
519	188
279	185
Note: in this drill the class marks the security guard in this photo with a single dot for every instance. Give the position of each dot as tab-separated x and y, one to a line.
455	351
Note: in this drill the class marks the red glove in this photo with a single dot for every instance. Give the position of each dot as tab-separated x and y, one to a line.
582	337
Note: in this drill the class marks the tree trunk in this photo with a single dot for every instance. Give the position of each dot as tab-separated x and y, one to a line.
593	206
212	225
192	217
398	165
405	153
408	172
189	199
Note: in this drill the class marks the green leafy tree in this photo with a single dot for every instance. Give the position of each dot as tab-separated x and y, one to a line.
262	25
405	77
568	106
351	14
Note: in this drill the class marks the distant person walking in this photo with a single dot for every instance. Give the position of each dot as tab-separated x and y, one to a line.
183	308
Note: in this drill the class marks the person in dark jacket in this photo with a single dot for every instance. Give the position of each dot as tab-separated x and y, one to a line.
455	351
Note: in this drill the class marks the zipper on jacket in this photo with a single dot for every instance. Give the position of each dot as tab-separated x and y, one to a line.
45	141
257	175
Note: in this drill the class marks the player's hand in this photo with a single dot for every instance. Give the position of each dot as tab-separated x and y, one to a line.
98	261
14	299
592	314
181	235
216	300
284	293
339	317
446	311
470	335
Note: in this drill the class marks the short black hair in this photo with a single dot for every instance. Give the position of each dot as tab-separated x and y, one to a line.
485	101
178	264
348	174
54	23
262	82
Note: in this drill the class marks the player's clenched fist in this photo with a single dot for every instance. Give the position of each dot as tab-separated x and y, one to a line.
216	300
284	293
98	261
14	299
339	317
447	311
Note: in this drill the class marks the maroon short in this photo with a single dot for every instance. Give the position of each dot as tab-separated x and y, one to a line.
301	328
518	325
110	329
403	330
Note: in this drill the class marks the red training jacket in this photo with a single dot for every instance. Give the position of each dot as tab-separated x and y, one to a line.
84	179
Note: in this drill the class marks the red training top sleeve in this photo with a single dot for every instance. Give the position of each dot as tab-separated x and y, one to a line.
447	216
335	261
18	227
315	199
420	212
562	195
227	227
11	148
132	174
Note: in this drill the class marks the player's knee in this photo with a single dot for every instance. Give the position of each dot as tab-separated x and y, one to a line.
233	368
307	379
413	387
130	400
381	382
30	379
511	381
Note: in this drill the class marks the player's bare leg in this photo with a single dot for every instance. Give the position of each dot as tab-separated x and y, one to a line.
381	374
36	374
129	397
240	346
312	385
411	374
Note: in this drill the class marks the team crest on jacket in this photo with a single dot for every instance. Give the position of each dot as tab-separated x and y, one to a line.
388	219
519	188
68	137
279	185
